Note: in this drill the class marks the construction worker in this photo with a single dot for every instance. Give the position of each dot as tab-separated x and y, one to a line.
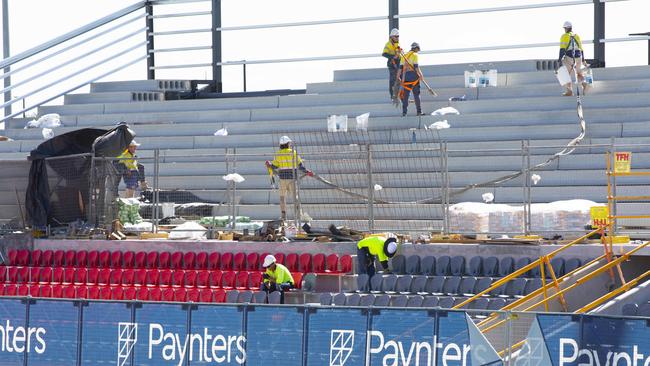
277	277
392	53
383	246
286	163
572	56
132	172
409	75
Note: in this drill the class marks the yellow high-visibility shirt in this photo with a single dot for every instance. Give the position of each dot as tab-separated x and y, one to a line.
391	48
412	59
128	160
286	159
281	274
375	245
566	39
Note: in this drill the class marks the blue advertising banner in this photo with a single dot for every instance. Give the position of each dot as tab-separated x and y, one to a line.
560	334
274	336
337	337
15	333
453	343
610	341
162	335
55	325
108	334
217	336
402	337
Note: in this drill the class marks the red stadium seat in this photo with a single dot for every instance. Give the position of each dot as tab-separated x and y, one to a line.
215	279
203	279
304	263
2	289
81	292
57	275
202	260
142	294
228	280
117	293
35	291
153	277
346	264
155	294
178	278
219	296
82	258
331	263
252	262
3	274
12	254
45	277
318	263
152	260
34	274
255	280
69	292
164	260
69	275
81	273
189	260
180	294
70	258
93	276
213	260
116	259
46	258
128	277
93	259
12	274
242	280
46	291
23	274
130	293
105	293
58	258
292	262
36	260
57	291
193	295
297	279
205	295
104	276
226	262
168	294
128	260
11	290
261	261
140	260
94	293
239	262
116	277
23	290
190	278
165	278
279	258
23	257
177	260
140	277
104	259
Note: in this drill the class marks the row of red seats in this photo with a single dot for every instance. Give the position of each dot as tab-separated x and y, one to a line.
136	277
304	263
115	293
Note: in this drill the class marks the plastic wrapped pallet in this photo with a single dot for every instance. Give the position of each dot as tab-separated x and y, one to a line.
571	215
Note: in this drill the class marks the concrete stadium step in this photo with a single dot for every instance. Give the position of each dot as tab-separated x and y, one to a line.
140	86
450	69
113	97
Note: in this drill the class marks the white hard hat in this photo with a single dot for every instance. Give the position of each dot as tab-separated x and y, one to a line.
394	32
134	143
284	140
567	24
268	260
392	248
415	45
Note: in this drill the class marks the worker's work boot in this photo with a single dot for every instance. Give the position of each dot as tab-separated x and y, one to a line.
568	93
144	185
585	87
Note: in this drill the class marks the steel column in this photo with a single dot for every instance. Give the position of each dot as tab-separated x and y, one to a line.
151	63
217	76
393	9
599	32
6	53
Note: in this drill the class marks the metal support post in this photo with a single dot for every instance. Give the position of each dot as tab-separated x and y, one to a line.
614	211
156	190
599	32
525	166
6	53
393	9
217	76
151	72
234	192
244	67
371	191
643	34
445	194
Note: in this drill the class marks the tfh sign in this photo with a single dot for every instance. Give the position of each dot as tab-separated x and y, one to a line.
622	162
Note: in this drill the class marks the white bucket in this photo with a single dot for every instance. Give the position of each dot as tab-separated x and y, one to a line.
168	209
470	79
563	76
588	75
487	78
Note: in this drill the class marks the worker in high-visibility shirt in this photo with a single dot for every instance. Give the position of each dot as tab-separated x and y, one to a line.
409	75
382	246
572	56
392	53
277	277
286	164
132	172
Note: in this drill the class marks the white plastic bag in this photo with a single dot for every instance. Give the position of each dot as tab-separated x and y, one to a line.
362	122
445	110
336	123
189	231
233	177
221	132
440	125
47	133
563	76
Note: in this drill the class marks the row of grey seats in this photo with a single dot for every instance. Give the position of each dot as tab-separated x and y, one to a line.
445	285
478	266
410	301
634	309
250	297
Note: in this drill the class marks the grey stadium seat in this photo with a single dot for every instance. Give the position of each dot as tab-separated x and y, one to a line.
435	285
339	299
451	285
446	302
404	284
245	297
418	285
496	304
630	309
482	284
375	282
398	264
457	266
571	265
490	267
516	287
259	297
309	282
506	266
476	266
428	266
430	302
353	300
521	263
367	300
442	265
413	265
399	301
644	310
382	300
479	304
532	285
363	284
275	297
232	296
388	283
557	264
415	301
326	299
467	285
